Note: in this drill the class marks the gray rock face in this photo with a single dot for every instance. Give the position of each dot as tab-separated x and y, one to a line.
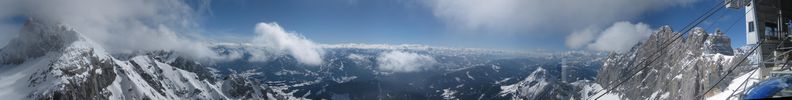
683	70
718	43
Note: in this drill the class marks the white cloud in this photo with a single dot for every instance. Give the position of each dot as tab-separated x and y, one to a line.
274	36
121	26
526	16
356	57
398	61
581	38
619	37
7	32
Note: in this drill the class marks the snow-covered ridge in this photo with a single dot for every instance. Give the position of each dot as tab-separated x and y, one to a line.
531	86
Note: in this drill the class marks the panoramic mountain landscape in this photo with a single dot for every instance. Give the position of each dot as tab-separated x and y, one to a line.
372	50
53	61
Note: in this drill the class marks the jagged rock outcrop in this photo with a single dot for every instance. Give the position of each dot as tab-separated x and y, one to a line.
718	43
682	71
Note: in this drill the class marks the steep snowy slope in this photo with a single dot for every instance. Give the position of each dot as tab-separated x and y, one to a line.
144	77
737	86
532	86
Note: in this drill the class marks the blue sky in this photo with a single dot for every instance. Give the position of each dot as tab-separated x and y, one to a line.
344	21
678	17
409	22
327	21
502	24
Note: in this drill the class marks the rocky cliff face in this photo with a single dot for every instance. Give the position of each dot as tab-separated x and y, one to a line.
718	43
683	70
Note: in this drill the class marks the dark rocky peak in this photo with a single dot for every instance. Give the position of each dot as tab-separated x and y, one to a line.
695	40
664	34
697	35
718	43
701	41
698	42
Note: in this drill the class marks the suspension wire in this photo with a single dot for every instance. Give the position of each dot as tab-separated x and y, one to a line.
684	31
743	83
688	27
722	15
746	80
731	70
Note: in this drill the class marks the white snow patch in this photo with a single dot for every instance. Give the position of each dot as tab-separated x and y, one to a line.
503	80
344	79
734	86
657	96
468	75
592	90
448	94
98	71
665	96
678	76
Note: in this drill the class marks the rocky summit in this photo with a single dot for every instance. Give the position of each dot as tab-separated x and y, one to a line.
680	70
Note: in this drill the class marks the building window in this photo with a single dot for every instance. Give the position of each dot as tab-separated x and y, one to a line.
751	26
771	29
